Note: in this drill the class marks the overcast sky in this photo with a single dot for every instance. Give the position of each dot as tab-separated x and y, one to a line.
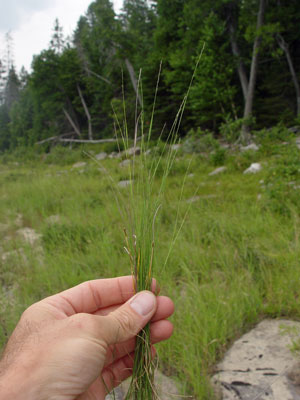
31	24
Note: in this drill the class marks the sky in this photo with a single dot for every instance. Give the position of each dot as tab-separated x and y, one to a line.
31	22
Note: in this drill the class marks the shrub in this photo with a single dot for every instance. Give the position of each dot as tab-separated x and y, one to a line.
199	141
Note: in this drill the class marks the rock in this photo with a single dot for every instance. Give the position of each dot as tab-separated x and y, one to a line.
19	220
13	254
133	151
253	169
217	171
193	199
203	197
166	389
294	129
298	142
101	156
175	147
3	227
28	235
260	365
114	154
53	219
79	164
191	175
251	146
124	184
125	163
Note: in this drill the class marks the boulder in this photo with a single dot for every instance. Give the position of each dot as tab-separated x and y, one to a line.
124	184
298	142
132	151
217	171
114	154
101	156
260	365
53	219
166	389
175	147
253	169
125	163
79	164
28	235
251	146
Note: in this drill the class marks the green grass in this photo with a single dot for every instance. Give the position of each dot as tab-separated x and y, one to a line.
236	261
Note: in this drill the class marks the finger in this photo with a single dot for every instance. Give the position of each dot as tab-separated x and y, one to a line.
91	296
126	321
159	331
112	377
165	308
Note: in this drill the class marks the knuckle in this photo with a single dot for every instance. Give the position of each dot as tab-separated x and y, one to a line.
127	323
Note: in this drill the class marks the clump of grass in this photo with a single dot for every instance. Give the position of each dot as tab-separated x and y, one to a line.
144	202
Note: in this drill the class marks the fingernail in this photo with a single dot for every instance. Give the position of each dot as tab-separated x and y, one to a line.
143	303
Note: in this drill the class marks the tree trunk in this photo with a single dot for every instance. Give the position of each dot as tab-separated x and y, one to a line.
240	67
87	113
74	126
133	80
245	135
284	46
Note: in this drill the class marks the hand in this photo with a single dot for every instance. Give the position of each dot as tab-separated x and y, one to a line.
79	343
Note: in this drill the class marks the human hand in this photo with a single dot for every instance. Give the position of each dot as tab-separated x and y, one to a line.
80	342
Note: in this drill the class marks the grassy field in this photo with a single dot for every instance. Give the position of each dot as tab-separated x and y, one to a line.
236	261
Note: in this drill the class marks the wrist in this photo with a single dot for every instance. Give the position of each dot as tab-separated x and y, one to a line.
15	385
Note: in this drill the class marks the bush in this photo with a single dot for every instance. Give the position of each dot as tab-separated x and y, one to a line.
218	157
199	141
231	129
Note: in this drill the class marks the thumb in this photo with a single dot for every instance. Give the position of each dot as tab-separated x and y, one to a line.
126	322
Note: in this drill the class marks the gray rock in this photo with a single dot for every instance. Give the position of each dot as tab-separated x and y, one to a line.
165	386
175	147
124	184
203	197
125	163
3	227
133	151
260	365
101	156
53	219
114	154
79	164
253	169
14	254
251	146
217	171
294	129
28	235
298	142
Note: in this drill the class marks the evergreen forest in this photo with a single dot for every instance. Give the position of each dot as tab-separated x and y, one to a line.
247	77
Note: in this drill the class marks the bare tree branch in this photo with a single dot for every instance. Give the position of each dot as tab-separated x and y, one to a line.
133	80
87	113
74	126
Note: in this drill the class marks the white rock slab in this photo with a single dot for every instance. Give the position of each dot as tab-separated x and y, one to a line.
260	364
217	171
253	169
166	389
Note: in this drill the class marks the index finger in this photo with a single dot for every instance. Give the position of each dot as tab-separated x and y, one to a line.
91	296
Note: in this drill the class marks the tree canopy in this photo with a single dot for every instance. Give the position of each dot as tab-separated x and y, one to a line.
249	68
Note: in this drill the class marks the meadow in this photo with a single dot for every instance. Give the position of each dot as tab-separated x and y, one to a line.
235	262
